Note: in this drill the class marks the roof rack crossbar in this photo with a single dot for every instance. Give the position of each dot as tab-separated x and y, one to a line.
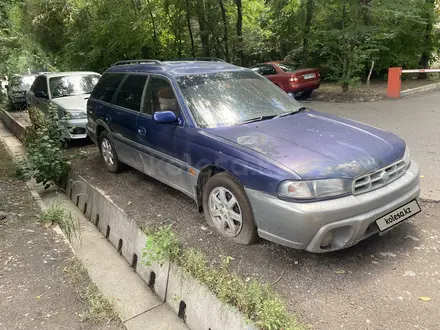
141	61
208	59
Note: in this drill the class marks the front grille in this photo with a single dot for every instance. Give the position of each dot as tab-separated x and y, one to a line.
379	178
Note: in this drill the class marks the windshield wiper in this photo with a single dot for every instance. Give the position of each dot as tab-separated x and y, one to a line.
260	118
285	114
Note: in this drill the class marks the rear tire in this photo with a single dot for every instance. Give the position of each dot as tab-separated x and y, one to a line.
305	94
228	210
108	153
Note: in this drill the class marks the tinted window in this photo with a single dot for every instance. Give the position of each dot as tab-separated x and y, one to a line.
72	85
106	87
40	85
267	70
231	98
160	97
130	94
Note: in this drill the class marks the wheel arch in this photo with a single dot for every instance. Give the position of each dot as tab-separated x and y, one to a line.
205	174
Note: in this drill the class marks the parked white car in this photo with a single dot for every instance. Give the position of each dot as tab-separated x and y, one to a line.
68	91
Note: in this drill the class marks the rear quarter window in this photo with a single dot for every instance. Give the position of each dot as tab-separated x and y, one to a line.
106	87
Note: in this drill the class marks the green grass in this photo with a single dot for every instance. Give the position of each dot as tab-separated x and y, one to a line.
57	214
256	301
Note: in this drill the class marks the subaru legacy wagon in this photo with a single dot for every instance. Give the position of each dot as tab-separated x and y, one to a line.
256	161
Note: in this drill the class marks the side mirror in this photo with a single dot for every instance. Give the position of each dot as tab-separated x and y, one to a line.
165	117
40	95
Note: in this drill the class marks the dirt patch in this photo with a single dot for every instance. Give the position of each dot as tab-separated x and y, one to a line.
332	92
22	116
374	285
40	277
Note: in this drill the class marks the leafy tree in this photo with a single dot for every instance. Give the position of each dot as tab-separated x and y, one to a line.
341	37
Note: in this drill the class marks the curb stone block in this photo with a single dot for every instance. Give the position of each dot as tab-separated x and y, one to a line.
14	126
203	309
98	211
161	272
81	194
133	239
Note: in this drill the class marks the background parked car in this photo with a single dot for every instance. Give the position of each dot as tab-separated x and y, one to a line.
17	89
291	79
68	91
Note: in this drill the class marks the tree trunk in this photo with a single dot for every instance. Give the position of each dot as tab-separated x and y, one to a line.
240	31
345	64
426	54
369	74
188	22
308	23
155	36
204	33
225	30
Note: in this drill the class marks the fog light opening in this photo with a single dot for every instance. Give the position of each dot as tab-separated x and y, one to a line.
327	240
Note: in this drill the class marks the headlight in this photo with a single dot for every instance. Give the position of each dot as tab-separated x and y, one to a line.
68	114
407	157
314	189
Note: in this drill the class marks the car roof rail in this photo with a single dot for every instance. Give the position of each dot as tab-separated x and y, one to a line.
141	61
207	59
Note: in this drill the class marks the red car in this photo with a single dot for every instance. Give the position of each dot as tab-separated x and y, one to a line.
287	76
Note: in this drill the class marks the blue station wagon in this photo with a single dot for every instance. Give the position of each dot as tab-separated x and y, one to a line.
256	161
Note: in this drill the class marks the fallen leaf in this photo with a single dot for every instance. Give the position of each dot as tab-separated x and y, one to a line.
340	271
9	259
424	298
387	254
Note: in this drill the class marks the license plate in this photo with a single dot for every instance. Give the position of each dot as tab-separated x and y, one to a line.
397	216
309	76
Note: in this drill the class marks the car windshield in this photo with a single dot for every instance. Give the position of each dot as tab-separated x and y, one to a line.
72	85
287	66
24	83
231	98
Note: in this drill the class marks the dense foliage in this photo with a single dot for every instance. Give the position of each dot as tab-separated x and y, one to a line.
342	37
45	162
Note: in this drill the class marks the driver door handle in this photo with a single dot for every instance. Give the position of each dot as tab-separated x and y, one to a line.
142	131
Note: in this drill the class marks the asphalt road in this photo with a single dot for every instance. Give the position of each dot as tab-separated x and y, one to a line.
416	119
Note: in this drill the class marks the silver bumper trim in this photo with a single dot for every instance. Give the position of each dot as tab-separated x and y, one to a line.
303	225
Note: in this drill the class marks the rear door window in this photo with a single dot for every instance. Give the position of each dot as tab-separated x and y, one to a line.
130	93
40	85
106	87
267	70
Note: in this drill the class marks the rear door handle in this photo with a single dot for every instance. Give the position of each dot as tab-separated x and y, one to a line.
142	131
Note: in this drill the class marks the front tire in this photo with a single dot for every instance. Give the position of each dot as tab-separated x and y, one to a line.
228	210
108	153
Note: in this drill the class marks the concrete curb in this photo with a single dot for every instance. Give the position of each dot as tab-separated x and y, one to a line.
14	126
420	90
191	300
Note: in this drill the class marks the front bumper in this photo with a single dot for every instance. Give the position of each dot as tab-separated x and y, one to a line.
74	128
18	100
304	225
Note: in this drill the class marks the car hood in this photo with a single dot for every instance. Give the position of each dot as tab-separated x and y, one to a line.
76	102
316	145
